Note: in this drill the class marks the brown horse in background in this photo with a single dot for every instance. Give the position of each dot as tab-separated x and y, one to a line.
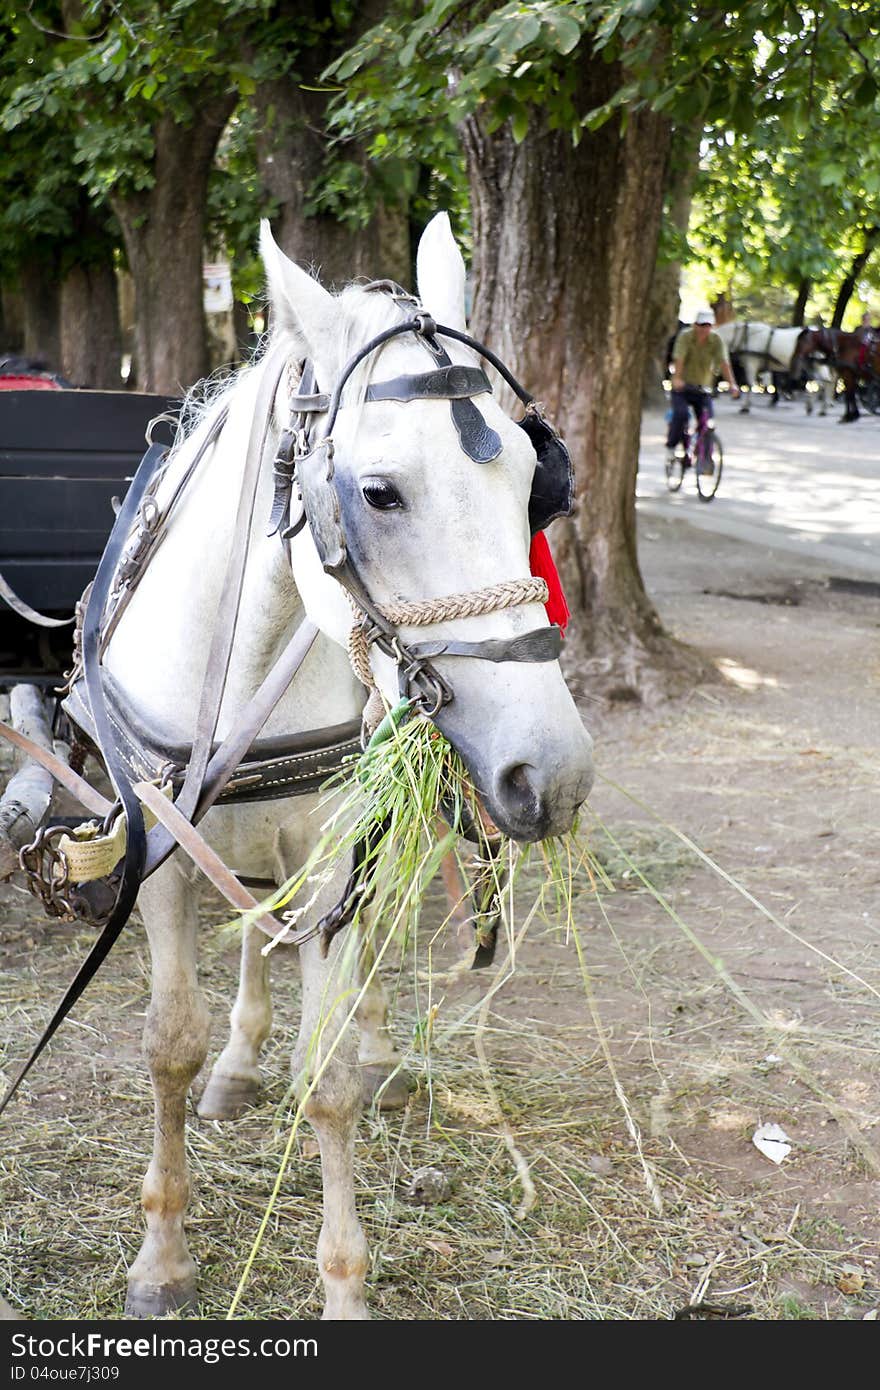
855	356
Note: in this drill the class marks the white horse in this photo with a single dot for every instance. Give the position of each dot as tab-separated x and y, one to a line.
424	521
763	349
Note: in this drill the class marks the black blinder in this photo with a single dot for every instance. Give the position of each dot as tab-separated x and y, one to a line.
315	472
553	484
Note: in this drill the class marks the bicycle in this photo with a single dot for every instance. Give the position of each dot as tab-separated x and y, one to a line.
701	451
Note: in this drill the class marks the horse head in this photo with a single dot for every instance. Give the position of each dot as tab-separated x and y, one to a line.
418	487
810	341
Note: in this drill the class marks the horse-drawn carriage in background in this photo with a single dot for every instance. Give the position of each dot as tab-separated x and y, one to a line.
760	353
65	454
819	361
854	357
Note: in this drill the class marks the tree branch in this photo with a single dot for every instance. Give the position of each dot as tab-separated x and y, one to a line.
855	48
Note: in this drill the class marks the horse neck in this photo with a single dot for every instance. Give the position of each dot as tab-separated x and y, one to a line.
159	652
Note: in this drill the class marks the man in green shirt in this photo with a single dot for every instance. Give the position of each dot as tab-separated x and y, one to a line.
698	357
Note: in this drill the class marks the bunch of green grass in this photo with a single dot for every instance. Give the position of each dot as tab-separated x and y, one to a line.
406	801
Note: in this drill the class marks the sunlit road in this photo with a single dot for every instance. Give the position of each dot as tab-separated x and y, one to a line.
790	481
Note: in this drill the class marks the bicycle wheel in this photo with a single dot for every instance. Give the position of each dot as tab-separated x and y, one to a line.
674	472
709	462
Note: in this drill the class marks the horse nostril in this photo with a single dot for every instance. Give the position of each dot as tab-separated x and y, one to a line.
516	788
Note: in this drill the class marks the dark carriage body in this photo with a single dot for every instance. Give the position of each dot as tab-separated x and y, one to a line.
63	456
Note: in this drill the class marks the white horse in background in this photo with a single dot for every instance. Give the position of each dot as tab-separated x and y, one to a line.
763	350
424	521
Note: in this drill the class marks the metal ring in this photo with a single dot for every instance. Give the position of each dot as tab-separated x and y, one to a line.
112	816
167	418
150	514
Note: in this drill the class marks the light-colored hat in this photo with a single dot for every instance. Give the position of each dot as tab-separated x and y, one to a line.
704	316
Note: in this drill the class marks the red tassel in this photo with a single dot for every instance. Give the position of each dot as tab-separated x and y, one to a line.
543	566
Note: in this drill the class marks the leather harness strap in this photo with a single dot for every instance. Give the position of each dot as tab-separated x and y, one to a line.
448	383
184	833
227	608
228	755
24	610
541	644
150	535
76	785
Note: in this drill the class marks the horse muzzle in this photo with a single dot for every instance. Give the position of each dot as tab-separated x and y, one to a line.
532	774
528	804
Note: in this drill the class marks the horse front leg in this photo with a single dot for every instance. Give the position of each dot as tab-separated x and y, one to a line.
327	1077
163	1277
849	394
382	1078
234	1083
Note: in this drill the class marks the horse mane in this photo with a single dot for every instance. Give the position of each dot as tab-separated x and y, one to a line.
366	313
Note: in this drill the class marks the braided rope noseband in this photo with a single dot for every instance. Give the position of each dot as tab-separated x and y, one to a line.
508	594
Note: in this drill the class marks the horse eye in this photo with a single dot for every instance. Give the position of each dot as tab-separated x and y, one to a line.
382	494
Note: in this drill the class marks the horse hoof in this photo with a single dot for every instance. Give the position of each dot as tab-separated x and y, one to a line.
159	1300
385	1088
227	1097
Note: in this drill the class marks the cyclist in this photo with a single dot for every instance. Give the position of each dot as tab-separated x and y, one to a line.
698	358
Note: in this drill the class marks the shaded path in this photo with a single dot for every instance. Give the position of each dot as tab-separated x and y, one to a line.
791	481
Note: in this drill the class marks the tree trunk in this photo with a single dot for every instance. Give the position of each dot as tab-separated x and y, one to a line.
845	293
164	231
42	312
11	321
565	241
664	302
292	155
91	347
800	303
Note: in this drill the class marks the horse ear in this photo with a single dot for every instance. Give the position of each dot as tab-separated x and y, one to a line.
440	273
300	304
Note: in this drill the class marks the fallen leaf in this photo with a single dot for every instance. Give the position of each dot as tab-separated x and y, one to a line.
497	1258
851	1282
600	1165
772	1141
442	1247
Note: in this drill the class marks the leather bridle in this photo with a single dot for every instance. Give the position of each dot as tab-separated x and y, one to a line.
306	459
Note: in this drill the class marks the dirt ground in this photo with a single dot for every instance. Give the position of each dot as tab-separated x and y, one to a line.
627	1085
